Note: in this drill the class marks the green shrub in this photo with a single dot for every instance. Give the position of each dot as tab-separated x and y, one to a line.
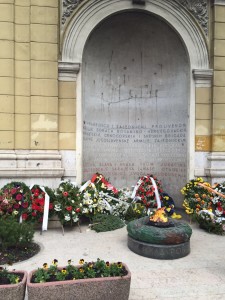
14	234
104	222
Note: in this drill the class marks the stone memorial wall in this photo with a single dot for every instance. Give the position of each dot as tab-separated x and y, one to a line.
135	102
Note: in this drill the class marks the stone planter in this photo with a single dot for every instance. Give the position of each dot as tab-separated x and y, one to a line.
14	291
109	288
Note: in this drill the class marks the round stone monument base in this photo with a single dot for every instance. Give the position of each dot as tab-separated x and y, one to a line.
159	251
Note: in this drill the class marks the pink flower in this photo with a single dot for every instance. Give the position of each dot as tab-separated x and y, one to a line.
65	194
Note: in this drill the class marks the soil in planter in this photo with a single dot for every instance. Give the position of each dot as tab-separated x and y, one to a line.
14	254
6	280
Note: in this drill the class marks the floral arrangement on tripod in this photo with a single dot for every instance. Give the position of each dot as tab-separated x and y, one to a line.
205	204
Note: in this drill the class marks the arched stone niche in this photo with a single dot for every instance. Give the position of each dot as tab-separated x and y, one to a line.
91	13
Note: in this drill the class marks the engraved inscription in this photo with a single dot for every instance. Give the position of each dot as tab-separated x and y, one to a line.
135	102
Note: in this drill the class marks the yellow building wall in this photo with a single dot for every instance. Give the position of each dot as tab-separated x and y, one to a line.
203	112
38	112
218	139
7	73
32	114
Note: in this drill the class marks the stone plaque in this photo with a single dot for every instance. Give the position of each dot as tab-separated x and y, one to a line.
135	102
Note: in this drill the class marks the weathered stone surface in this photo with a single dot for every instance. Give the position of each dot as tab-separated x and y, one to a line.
135	102
159	251
14	291
179	233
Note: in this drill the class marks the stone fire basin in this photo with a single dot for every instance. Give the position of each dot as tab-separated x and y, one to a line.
159	242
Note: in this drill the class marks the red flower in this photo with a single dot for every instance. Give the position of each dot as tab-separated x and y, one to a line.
24	204
16	206
40	220
19	197
24	216
77	210
34	213
13	191
69	208
36	194
41	201
65	194
51	206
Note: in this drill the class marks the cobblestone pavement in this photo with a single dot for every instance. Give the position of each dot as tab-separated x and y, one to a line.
200	275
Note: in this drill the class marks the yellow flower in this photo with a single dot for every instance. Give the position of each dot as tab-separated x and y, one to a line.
81	261
176	216
166	198
119	264
17	279
81	270
55	262
63	271
45	266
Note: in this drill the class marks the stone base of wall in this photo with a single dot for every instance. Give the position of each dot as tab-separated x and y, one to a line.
32	167
210	165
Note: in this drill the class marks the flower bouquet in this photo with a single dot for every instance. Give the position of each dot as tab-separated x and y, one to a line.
15	200
206	204
196	196
99	196
68	206
38	197
145	191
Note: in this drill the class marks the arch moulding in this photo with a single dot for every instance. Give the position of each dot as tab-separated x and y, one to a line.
90	13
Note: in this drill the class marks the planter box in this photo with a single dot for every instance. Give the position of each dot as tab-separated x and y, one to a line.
110	288
14	291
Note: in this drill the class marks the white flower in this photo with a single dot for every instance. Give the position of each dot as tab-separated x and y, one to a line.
76	219
67	218
72	201
85	211
15	212
57	207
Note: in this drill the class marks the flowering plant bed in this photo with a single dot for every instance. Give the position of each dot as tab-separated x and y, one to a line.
12	284
92	280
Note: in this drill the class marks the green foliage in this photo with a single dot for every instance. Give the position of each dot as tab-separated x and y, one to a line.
104	222
7	277
135	211
14	234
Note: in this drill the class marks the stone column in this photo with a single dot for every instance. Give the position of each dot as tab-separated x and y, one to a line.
217	158
68	117
22	74
7	45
